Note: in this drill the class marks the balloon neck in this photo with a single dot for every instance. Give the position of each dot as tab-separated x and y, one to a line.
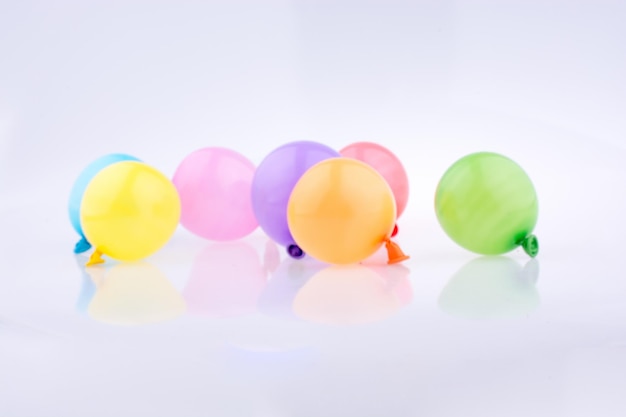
531	245
394	253
395	230
82	246
295	252
95	258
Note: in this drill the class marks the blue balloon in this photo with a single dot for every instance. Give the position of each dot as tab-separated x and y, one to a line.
78	190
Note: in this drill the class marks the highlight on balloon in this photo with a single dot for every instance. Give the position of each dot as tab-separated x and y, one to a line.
78	191
342	211
214	185
387	164
129	210
487	204
273	183
335	207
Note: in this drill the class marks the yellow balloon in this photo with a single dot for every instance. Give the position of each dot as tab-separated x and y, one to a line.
129	211
341	211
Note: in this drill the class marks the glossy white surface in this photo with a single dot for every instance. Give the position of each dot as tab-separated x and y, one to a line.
205	329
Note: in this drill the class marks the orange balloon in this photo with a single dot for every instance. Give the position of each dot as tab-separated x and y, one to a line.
341	211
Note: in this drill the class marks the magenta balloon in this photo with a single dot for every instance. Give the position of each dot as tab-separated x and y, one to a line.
274	180
387	164
214	187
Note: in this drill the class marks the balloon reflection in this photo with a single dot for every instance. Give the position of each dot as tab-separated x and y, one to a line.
88	287
133	294
489	287
356	294
396	280
271	257
226	281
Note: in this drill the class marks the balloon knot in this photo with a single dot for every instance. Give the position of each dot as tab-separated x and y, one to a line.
82	246
295	251
531	245
95	258
394	253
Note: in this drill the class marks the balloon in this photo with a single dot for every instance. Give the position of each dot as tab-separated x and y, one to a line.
387	164
214	187
487	204
129	211
78	190
135	294
342	211
273	182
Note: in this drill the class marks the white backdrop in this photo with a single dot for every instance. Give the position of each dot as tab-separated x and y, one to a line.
540	81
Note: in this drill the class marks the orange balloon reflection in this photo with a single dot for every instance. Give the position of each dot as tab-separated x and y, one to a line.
349	295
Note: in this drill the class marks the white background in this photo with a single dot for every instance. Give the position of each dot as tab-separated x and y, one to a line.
540	81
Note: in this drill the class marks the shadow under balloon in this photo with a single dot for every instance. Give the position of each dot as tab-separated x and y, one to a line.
492	287
353	295
130	294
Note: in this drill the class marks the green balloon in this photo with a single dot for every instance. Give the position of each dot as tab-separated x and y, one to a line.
487	204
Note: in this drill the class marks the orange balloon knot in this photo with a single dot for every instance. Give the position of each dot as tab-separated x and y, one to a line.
394	252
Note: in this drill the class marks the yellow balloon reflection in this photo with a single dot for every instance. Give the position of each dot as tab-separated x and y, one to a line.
348	295
491	287
133	294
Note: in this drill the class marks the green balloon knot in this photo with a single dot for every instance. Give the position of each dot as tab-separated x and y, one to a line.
531	245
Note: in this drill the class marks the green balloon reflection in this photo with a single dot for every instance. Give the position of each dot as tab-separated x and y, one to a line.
492	287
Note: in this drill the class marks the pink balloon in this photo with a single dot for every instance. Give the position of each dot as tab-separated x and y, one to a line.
214	187
387	164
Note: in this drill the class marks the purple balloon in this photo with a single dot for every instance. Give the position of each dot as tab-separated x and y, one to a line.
274	180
